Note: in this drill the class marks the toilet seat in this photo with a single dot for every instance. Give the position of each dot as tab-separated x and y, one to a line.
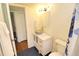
55	54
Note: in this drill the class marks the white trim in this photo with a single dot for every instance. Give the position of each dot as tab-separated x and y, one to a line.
17	5
28	21
11	29
9	18
29	25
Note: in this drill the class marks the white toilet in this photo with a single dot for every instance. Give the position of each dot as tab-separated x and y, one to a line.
59	48
55	54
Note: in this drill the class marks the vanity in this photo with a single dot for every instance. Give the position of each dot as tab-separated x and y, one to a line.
43	43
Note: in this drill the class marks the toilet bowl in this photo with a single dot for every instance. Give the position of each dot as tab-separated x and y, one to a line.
59	48
55	54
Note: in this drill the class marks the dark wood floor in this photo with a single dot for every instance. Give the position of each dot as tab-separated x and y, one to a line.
21	46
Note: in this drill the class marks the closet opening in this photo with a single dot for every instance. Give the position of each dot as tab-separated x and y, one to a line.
18	21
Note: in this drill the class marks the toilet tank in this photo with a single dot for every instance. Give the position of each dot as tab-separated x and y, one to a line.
60	46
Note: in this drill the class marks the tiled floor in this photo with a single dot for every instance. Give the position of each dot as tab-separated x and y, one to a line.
29	52
21	46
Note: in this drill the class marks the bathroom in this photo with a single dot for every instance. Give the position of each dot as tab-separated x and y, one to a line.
52	19
54	22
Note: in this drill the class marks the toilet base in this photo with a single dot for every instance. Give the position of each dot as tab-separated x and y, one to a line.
55	54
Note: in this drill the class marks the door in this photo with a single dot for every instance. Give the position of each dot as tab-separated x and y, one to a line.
7	20
20	26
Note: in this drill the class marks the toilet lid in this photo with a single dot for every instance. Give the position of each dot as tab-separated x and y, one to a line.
55	54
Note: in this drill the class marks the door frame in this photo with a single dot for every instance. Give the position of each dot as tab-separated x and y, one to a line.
11	30
17	5
29	28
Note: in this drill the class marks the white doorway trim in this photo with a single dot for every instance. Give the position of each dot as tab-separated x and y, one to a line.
11	29
29	26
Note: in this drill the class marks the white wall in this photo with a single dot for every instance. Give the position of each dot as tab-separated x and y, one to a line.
56	22
29	26
59	20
